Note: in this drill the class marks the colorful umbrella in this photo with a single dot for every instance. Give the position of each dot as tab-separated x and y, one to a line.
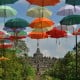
70	20
3	46
39	12
7	11
68	10
42	30
73	2
16	23
37	35
13	29
56	33
4	58
43	2
77	32
41	23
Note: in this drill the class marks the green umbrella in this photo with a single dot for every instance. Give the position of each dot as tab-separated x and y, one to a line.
2	2
70	20
16	23
73	2
21	33
7	11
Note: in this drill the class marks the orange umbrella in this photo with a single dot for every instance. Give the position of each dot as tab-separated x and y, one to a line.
4	58
38	35
41	23
43	2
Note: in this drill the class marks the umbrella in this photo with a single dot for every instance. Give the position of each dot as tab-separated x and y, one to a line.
37	35
39	12
67	28
13	29
4	58
3	46
73	2
77	32
43	2
70	20
2	2
42	30
68	10
20	33
7	11
16	23
56	33
41	23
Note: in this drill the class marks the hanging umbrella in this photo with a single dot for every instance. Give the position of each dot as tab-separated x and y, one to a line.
70	20
39	12
16	23
68	10
41	23
2	2
13	29
4	58
43	2
67	28
42	30
77	32
56	33
7	11
20	33
73	2
37	35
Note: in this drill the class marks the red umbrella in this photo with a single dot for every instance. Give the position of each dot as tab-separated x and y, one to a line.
56	33
77	32
43	2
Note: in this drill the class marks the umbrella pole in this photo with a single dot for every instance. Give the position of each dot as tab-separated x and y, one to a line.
37	43
76	59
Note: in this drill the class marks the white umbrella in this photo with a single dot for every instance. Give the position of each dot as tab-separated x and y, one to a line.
68	10
39	12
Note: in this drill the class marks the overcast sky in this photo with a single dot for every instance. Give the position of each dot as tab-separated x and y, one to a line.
48	47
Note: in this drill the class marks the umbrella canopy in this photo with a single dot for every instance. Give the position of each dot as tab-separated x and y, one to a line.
37	35
68	10
5	45
2	2
7	11
13	29
70	20
42	30
20	33
14	38
43	2
56	33
41	23
73	2
4	58
64	27
39	12
77	32
16	23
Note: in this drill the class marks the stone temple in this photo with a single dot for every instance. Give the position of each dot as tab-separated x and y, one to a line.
40	63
